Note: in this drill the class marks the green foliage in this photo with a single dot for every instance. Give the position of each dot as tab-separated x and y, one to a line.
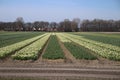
53	50
79	52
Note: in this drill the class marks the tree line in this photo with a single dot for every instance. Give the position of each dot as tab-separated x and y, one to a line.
64	26
100	25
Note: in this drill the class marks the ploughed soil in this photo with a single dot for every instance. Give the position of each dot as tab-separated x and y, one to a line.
59	70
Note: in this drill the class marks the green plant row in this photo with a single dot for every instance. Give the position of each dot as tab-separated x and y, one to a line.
79	52
53	50
31	52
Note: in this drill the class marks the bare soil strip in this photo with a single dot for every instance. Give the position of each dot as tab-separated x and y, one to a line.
60	72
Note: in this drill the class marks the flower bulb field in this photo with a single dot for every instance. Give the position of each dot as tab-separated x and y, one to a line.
42	53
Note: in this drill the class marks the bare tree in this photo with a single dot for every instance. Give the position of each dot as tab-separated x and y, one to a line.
19	23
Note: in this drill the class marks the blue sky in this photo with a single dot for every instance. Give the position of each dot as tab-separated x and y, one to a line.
58	10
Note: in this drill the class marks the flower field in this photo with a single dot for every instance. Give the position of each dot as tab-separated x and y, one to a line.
31	51
88	46
105	50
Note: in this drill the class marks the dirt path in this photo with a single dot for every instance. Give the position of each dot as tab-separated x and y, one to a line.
64	73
